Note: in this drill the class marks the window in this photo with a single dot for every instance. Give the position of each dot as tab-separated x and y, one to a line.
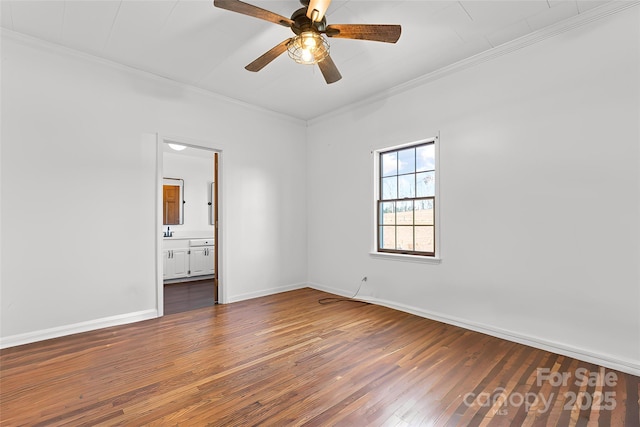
406	200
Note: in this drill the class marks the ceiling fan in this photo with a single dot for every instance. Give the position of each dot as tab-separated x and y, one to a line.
309	24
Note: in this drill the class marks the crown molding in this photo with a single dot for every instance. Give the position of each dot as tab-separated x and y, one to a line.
580	20
63	50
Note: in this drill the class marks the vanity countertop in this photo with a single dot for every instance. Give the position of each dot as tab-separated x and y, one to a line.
190	237
169	243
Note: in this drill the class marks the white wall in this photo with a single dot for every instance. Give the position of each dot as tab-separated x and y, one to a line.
79	184
197	173
536	147
540	196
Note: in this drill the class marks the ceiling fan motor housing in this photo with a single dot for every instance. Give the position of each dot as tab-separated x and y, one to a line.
301	23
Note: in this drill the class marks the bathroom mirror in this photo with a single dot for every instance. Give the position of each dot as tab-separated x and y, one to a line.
172	201
212	200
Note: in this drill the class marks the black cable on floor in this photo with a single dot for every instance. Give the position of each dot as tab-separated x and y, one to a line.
332	300
325	301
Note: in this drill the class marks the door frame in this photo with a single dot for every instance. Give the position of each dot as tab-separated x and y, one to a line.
218	228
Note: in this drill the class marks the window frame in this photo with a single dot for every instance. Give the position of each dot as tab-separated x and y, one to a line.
399	254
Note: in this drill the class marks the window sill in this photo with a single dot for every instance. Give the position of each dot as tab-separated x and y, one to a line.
406	258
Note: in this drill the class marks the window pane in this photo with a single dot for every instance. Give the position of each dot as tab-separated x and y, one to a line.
406	161
425	184
406	200
387	213
424	212
404	213
424	239
387	237
426	158
390	188
405	238
389	162
406	186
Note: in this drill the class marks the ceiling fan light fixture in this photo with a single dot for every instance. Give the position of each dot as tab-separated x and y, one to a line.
309	47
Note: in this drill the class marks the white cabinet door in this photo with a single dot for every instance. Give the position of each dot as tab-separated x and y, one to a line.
198	261
201	261
166	264
181	262
175	263
210	266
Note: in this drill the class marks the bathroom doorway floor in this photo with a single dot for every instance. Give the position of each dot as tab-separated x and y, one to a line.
186	296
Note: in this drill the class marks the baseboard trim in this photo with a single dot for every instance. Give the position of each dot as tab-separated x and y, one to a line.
76	328
266	292
188	279
606	360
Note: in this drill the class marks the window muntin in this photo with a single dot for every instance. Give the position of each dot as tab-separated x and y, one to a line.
406	200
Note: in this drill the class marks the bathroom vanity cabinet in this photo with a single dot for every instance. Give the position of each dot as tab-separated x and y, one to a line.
187	258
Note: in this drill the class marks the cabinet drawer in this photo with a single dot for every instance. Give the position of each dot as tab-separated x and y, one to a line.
200	242
175	244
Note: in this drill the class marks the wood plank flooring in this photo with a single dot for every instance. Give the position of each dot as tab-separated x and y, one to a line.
286	360
180	297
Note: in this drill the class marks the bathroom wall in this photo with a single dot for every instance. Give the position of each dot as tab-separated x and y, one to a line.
195	167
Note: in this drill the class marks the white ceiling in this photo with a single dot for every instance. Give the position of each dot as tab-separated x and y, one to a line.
195	43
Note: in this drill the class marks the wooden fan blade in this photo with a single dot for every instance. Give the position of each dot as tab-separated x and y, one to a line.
251	10
329	70
267	57
374	32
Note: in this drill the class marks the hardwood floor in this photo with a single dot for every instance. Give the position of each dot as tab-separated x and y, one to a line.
287	360
181	297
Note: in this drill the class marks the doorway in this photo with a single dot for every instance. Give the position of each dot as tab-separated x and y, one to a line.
188	244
